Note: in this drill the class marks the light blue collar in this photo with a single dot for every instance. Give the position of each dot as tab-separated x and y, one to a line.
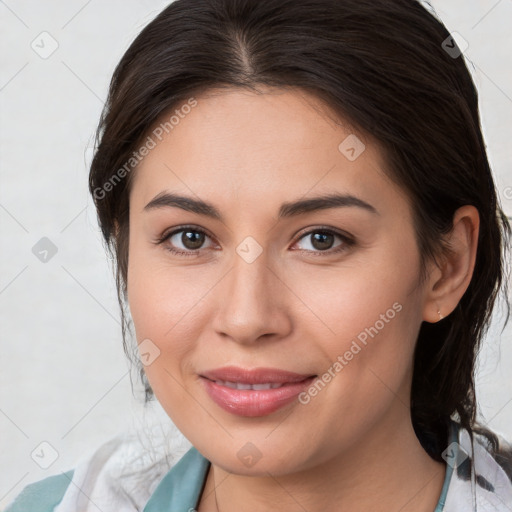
453	437
181	487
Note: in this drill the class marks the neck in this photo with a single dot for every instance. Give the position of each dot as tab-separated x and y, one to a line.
388	470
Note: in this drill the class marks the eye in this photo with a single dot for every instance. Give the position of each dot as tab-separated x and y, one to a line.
322	240
189	241
186	241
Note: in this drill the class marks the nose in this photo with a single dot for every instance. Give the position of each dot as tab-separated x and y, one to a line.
252	302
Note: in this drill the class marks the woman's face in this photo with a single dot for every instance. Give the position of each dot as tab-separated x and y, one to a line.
270	276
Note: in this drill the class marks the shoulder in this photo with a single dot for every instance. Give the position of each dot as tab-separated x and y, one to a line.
480	472
498	457
121	474
43	495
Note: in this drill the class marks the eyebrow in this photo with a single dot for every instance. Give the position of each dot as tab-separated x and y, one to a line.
291	209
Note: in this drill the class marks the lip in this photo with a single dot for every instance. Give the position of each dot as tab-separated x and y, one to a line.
252	402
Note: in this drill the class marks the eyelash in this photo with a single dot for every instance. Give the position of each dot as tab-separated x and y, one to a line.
347	241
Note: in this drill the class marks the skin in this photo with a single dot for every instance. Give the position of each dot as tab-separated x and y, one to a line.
352	447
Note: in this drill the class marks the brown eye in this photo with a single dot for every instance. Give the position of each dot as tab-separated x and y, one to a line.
186	241
324	241
192	239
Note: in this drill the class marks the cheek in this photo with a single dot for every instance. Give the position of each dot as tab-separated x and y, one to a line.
366	323
162	296
375	291
168	305
367	371
365	333
165	305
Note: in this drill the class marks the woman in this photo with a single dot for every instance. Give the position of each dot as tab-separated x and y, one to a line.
309	241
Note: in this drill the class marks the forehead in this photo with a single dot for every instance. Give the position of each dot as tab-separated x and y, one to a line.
248	147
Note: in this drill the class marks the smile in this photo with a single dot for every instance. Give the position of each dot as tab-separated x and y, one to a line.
253	392
256	387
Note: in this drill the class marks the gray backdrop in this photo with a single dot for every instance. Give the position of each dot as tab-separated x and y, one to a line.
64	380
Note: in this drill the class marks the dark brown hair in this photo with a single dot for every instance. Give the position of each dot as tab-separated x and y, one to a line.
382	65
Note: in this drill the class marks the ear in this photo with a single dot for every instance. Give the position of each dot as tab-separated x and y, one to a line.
449	278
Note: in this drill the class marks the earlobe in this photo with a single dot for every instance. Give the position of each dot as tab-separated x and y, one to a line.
452	274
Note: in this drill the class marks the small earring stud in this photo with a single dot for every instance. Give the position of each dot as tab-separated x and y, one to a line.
440	314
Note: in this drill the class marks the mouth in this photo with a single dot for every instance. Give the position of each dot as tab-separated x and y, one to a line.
245	386
253	392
